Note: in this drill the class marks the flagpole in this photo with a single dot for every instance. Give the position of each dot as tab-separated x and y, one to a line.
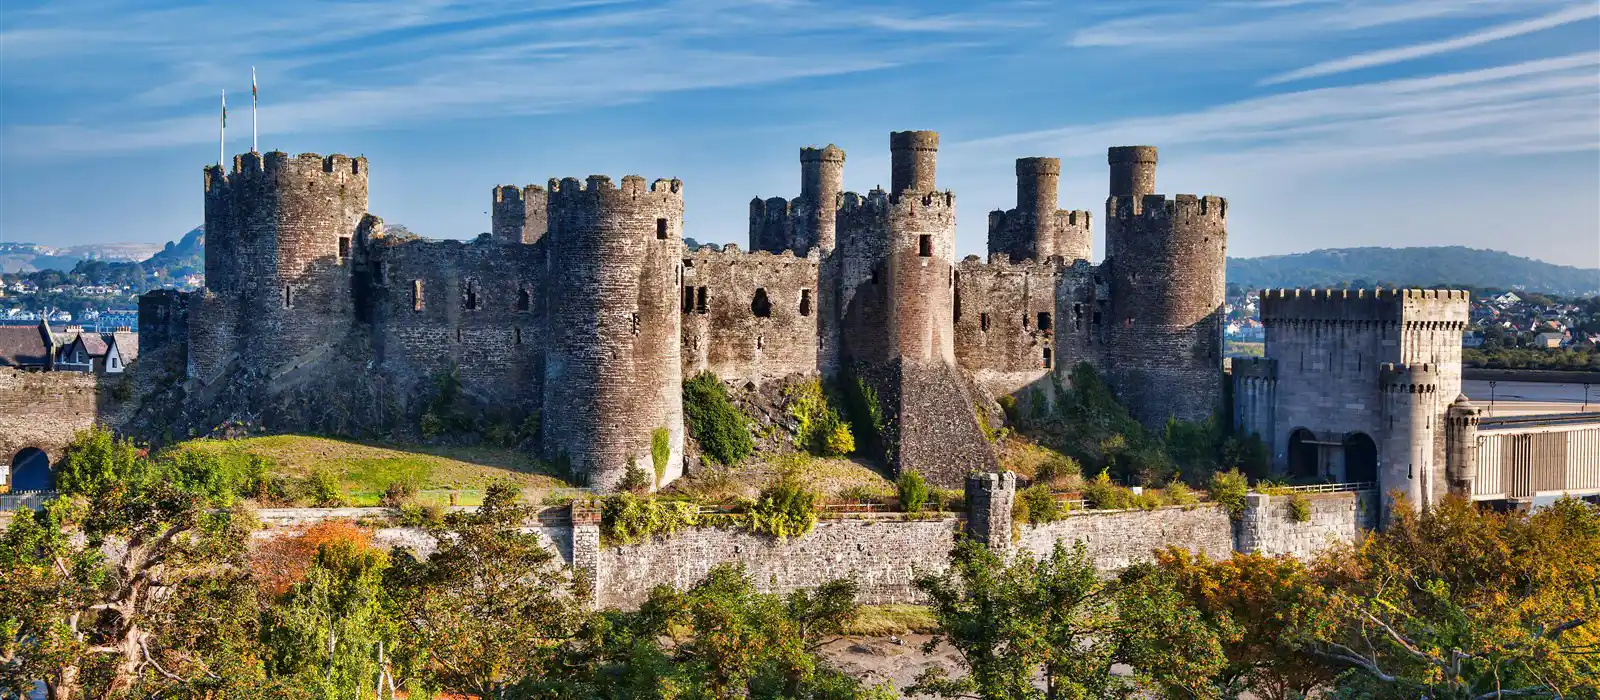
254	102
222	134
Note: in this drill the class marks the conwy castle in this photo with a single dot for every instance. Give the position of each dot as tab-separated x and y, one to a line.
583	307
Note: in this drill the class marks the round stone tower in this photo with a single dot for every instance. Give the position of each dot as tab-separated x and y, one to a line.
1168	286
1406	451
1036	229
284	228
821	183
1461	445
913	156
613	373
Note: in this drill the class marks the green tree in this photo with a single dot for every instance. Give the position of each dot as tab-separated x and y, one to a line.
720	427
325	634
913	491
492	606
1055	621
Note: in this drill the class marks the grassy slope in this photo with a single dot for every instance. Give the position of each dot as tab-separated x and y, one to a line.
366	470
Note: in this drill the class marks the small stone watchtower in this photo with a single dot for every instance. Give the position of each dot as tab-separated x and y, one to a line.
519	215
1036	229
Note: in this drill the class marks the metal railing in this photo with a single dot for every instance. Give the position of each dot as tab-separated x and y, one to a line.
1331	488
17	500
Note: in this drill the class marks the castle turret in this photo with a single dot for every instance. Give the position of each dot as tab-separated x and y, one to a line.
913	156
279	232
613	372
1168	286
519	215
1036	229
821	182
1461	445
1409	392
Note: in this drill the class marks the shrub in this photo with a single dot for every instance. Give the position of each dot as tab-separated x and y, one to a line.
1103	494
660	452
1008	406
784	509
397	494
421	514
626	518
1039	505
1058	470
96	459
1229	489
1299	508
1179	494
913	491
633	479
866	415
323	490
719	426
949	500
820	429
862	493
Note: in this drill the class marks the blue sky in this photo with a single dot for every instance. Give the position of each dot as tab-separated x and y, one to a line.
1326	123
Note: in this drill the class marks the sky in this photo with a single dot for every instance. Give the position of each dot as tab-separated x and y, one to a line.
1326	123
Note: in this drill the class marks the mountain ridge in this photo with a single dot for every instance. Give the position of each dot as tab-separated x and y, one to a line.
1412	267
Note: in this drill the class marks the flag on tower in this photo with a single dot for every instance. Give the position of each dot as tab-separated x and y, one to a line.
222	135
254	102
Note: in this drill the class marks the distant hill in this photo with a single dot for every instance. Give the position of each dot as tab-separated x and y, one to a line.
31	257
1412	267
187	252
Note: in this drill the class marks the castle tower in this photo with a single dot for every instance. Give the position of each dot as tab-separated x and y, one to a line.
519	215
1036	229
1409	392
1168	286
613	372
821	183
897	282
1461	445
279	236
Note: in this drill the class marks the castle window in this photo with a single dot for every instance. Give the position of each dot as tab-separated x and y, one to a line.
688	299
1096	319
1077	317
416	295
700	300
874	274
925	246
805	302
761	306
957	305
635	321
1044	321
458	335
523	301
661	229
288	297
1047	358
516	336
344	248
983	320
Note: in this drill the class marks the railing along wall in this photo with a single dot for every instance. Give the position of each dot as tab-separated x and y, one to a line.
1527	456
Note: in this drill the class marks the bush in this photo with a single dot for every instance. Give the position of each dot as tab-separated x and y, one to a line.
1229	489
660	452
913	491
867	417
397	494
949	500
322	489
862	493
96	459
1103	494
784	509
1039	505
633	479
421	514
719	426
1179	494
627	519
1058	470
1299	508
820	429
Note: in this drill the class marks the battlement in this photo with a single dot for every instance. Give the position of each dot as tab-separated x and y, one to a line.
878	201
829	153
1001	263
1363	305
571	190
770	208
1420	378
512	193
1157	206
1255	368
914	140
731	254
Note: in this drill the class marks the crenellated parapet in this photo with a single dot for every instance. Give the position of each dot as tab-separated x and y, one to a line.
1408	379
1410	309
1255	368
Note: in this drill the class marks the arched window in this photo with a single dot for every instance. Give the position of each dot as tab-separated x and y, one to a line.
30	471
523	300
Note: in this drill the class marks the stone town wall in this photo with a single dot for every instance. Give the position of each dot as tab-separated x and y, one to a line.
44	409
884	554
1116	539
472	305
1005	321
1267	528
749	316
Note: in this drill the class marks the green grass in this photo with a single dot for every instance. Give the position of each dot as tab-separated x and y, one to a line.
887	620
365	470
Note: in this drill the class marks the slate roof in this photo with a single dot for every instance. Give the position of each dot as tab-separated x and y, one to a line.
93	343
127	343
23	346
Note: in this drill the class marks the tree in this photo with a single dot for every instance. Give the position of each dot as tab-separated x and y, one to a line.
1461	602
325	633
492	605
1055	621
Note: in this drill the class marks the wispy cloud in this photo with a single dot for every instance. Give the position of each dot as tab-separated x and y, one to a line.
1540	106
1385	57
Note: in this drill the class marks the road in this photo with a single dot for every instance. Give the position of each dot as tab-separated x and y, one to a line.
1531	398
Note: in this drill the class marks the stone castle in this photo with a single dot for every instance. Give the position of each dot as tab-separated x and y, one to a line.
582	305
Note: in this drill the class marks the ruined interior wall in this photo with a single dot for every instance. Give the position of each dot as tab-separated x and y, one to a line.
1083	305
1005	321
722	331
481	311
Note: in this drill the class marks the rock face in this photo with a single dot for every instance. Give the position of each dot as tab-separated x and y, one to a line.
582	306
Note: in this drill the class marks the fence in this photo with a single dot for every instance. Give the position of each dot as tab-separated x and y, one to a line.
17	500
1332	488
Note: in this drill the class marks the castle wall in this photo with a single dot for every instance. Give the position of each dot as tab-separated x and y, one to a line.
1083	303
1255	397
519	215
1005	321
1168	288
613	372
1342	517
756	318
1116	539
163	319
480	311
213	334
44	410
